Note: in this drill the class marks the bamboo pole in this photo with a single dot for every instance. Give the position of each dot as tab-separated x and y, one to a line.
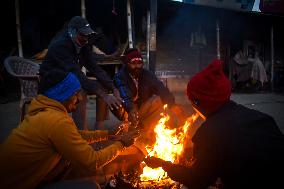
148	38
129	24
83	14
18	28
272	58
218	40
83	8
153	33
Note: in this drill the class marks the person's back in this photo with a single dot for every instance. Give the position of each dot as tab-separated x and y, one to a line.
241	146
251	144
61	47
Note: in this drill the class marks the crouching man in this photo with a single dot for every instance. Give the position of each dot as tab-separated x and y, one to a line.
241	146
47	144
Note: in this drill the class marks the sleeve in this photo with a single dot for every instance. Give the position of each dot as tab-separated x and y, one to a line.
68	142
94	136
203	172
125	92
94	68
160	90
66	62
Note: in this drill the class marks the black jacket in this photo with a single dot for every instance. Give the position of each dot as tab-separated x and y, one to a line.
62	55
148	85
243	147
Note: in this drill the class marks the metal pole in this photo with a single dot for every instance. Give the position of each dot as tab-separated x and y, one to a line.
153	33
83	8
272	59
148	38
18	27
218	39
129	23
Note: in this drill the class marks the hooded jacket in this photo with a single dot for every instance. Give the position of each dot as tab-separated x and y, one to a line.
46	135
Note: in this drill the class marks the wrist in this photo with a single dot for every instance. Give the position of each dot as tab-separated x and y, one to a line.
165	164
101	93
123	143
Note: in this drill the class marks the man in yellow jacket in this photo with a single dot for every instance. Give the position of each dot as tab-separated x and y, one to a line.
47	143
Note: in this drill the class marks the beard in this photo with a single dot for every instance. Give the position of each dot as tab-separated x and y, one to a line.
135	72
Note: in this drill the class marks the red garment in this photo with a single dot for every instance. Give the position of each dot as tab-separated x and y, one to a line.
210	88
271	6
133	54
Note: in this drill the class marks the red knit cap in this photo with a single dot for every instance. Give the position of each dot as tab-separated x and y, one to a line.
210	87
133	53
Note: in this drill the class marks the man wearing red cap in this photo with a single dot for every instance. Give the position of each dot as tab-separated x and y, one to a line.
241	146
143	94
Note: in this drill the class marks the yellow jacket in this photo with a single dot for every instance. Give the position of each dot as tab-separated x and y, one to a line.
46	134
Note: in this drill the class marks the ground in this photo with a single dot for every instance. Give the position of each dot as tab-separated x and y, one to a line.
270	103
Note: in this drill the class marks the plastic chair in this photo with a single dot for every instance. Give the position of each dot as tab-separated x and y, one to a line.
27	72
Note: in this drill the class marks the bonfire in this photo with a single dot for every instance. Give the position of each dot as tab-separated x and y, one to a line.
169	146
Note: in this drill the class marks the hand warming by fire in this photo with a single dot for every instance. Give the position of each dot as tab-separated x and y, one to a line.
169	146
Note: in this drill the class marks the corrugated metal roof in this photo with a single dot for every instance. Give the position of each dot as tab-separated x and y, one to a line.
245	5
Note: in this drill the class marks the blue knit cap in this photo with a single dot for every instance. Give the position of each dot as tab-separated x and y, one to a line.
64	89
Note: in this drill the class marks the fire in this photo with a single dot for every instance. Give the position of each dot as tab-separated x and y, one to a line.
168	146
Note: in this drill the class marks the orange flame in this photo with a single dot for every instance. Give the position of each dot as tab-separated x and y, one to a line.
168	146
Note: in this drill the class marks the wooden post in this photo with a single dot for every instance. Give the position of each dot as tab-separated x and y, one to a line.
83	14
218	40
153	33
148	38
18	28
272	58
83	8
129	24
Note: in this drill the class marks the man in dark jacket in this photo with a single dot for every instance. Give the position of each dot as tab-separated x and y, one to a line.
69	52
143	96
241	146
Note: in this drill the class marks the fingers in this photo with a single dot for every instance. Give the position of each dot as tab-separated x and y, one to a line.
153	162
113	102
133	134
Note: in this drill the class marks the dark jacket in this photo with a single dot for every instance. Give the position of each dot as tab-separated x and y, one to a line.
148	85
243	147
62	55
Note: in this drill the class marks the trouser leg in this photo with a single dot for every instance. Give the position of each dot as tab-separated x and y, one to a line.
102	113
80	114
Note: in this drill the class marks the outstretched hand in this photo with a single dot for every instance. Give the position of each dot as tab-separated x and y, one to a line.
112	101
127	139
153	162
117	129
179	111
117	94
